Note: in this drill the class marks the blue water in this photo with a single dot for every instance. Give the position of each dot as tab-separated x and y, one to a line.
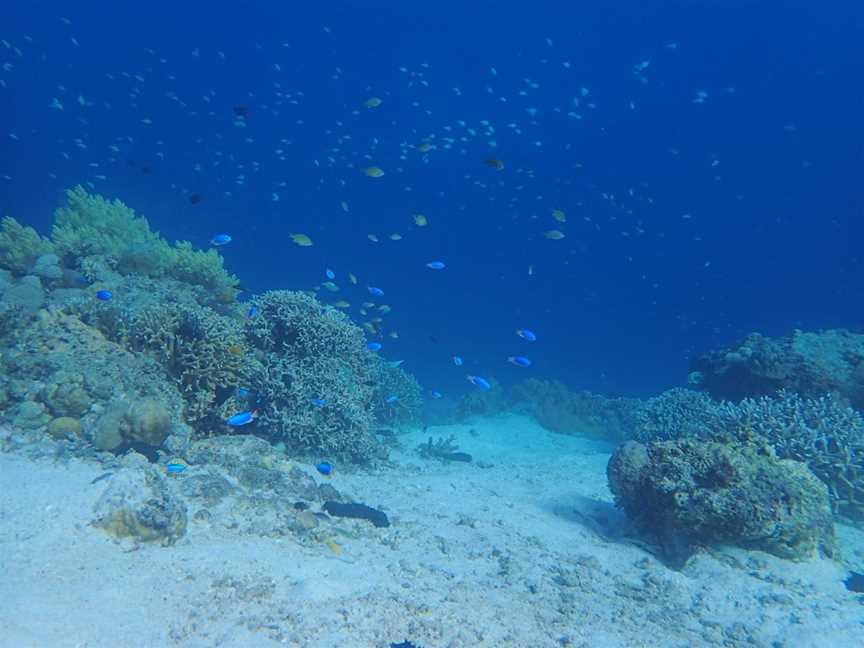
689	223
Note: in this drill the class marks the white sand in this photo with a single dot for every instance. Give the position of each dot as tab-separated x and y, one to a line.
527	553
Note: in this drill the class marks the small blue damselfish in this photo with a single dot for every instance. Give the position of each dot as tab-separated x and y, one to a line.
242	418
325	468
104	295
482	383
374	346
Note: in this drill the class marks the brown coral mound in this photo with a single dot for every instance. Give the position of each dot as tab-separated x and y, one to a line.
689	492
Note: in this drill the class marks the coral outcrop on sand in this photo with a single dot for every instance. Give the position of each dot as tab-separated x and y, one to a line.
318	381
692	492
165	346
809	364
560	410
139	505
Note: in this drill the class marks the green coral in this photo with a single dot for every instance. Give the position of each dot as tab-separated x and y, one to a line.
95	234
20	246
93	226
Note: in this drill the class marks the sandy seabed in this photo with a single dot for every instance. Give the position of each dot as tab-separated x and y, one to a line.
520	549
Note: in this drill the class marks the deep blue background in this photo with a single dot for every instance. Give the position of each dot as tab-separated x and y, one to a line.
768	168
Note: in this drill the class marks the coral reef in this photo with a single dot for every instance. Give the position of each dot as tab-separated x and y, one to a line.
96	235
680	413
60	369
20	246
558	409
310	351
810	364
203	352
398	397
819	432
689	492
482	402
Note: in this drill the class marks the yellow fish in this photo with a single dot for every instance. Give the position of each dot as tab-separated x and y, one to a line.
384	308
395	237
420	220
373	102
554	235
559	215
334	546
352	278
301	239
374	171
342	304
394	335
235	349
372	238
344	206
424	147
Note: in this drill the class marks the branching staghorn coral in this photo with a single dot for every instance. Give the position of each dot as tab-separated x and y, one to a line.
310	351
819	432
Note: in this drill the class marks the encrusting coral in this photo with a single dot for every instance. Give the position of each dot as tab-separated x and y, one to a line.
722	490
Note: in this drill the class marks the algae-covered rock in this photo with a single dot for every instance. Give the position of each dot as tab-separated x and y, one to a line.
26	294
689	492
66	394
65	427
149	422
138	504
31	415
107	434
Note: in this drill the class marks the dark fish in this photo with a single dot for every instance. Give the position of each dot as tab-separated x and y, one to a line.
195	198
146	170
131	163
241	111
404	644
101	477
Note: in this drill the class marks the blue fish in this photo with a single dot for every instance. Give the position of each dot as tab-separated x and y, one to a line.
375	291
525	334
252	312
325	468
519	361
104	295
330	274
435	394
242	392
436	265
457	360
243	418
374	346
319	402
482	383
220	239
175	468
392	398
